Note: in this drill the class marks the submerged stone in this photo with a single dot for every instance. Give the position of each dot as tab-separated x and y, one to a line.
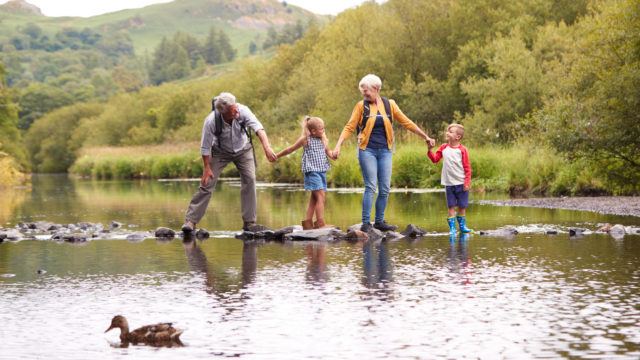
507	232
413	231
324	234
202	234
137	236
74	238
163	232
577	231
617	231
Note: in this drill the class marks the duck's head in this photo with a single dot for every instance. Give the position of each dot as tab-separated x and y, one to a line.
118	321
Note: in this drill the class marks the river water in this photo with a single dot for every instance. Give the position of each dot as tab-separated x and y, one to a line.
528	296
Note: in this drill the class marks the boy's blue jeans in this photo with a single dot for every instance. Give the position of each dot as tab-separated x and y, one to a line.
375	165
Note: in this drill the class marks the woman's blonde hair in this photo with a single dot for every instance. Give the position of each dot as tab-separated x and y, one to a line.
308	123
370	81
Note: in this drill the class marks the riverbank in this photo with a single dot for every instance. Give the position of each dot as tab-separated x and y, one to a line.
516	170
611	205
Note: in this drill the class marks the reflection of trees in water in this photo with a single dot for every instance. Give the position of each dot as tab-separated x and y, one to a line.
316	262
11	199
459	260
377	267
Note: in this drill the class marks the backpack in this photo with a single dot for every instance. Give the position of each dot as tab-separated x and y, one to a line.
218	123
365	113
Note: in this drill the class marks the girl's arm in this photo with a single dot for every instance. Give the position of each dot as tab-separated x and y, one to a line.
327	151
291	148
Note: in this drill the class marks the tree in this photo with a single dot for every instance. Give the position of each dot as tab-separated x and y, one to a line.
10	138
227	51
38	99
592	112
212	52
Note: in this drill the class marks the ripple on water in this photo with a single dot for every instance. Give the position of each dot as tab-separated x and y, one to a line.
424	299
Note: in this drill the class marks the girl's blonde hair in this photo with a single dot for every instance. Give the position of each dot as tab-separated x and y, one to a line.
308	123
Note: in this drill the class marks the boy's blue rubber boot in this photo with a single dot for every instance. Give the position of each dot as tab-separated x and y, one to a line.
452	226
462	222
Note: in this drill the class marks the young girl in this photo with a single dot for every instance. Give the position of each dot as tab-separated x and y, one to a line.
315	163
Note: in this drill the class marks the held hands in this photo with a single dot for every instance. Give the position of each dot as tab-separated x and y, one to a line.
336	153
431	143
271	156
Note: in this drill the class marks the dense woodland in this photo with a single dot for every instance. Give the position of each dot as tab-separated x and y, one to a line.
552	79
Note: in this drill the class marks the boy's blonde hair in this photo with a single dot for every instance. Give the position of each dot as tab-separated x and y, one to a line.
459	129
308	123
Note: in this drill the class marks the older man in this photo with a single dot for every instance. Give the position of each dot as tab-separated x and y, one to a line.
224	140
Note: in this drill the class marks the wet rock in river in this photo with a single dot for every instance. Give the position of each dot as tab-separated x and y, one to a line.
393	235
355	235
413	231
41	271
324	234
617	231
268	234
279	234
163	232
12	234
74	238
578	231
631	230
137	236
202	234
507	232
115	225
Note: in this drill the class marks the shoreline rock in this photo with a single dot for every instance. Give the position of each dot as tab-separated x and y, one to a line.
611	205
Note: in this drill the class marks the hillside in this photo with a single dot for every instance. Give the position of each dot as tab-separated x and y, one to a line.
243	20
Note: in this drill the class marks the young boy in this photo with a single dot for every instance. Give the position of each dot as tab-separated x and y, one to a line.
456	176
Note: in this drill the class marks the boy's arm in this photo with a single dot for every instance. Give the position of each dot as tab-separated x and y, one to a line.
466	165
438	155
291	148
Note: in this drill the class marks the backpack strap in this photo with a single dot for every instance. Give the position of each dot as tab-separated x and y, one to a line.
367	109
218	124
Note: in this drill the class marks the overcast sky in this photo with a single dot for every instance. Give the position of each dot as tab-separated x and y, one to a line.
96	7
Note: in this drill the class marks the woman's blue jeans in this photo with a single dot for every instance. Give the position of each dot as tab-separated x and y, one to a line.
375	165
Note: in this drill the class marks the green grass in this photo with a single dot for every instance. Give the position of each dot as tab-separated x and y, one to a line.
517	169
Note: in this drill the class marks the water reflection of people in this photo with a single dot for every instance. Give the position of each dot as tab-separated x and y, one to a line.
459	260
377	265
249	262
317	262
198	262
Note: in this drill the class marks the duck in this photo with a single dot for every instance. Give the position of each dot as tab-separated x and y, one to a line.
161	334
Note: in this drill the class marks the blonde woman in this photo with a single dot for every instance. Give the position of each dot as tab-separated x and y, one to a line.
372	119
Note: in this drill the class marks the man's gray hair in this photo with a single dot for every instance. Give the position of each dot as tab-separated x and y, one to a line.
223	101
370	81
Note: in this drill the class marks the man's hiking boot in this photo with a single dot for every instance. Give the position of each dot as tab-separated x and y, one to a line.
253	227
383	226
365	227
188	227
